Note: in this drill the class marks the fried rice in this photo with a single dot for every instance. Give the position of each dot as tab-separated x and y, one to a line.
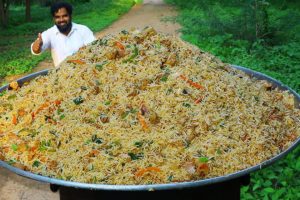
141	107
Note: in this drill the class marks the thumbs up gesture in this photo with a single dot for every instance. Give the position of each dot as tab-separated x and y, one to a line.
36	47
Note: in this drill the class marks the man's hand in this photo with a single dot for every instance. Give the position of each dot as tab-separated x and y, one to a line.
36	47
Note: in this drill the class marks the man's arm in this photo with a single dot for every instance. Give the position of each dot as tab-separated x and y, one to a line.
36	46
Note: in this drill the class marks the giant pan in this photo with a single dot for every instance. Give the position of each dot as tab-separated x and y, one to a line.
169	186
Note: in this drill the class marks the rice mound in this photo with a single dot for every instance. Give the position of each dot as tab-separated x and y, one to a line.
141	107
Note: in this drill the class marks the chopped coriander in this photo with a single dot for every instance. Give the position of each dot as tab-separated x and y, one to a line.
100	66
138	144
126	113
3	93
96	139
203	159
124	32
59	111
169	91
88	141
44	145
164	78
11	161
14	147
107	103
170	178
186	105
134	156
36	163
83	87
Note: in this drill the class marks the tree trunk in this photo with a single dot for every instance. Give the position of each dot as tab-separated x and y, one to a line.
4	5
28	15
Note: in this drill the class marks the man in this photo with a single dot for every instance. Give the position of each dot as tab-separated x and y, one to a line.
65	37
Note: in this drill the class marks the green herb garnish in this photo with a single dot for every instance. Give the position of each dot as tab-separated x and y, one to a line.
203	159
186	105
36	163
14	147
136	156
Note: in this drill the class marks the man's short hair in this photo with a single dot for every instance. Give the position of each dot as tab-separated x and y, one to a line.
56	6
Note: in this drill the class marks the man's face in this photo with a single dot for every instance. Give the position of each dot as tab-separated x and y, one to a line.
62	20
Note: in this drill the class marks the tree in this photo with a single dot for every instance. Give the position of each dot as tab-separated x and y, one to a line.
27	12
4	5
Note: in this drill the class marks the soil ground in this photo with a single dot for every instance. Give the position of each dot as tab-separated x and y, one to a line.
151	13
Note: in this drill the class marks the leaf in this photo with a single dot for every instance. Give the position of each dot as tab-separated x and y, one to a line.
278	193
256	186
268	190
266	197
298	164
267	183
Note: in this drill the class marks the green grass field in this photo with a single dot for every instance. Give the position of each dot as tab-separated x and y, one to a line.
227	29
15	41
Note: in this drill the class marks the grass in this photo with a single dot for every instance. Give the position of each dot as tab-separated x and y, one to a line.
213	27
15	41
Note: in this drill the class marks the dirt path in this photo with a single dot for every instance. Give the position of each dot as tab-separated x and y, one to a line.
150	13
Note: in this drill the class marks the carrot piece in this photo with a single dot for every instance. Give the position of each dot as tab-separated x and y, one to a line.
120	45
142	121
32	115
198	100
183	77
14	120
21	112
196	85
33	148
57	102
203	169
93	153
80	62
190	82
42	107
141	172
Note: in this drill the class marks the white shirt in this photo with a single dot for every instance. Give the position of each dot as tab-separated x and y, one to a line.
63	46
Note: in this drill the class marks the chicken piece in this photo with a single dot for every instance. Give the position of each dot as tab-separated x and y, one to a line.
112	54
172	59
14	85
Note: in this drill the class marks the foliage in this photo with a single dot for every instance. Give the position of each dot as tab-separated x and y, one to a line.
265	39
15	41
